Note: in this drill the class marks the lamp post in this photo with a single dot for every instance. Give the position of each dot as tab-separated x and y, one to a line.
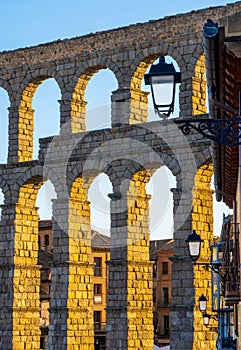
194	245
202	303
206	318
220	312
162	78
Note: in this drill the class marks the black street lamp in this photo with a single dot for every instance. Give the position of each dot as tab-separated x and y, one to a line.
163	78
206	319
202	303
194	245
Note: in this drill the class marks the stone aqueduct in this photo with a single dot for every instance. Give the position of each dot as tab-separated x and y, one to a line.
128	153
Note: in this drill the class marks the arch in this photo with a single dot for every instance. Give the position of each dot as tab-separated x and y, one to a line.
46	112
6	86
194	69
1	201
84	73
44	200
98	196
146	57
5	187
203	156
37	76
78	87
98	96
8	139
4	104
130	103
161	203
26	112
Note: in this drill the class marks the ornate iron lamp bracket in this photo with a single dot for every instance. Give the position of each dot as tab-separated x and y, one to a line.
223	131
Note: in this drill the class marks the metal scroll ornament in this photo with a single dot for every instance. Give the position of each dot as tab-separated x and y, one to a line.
224	131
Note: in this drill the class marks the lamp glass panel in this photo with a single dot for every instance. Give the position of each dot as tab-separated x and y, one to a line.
202	305
206	320
162	87
194	248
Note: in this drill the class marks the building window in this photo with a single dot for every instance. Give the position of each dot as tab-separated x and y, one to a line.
97	268
165	268
97	319
166	325
46	240
165	292
97	293
97	289
154	270
154	295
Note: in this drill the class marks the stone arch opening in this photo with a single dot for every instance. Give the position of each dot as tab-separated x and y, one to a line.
78	103
199	87
130	102
98	193
44	201
26	119
4	103
98	97
46	115
161	203
1	201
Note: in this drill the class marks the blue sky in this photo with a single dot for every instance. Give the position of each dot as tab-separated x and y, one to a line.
27	23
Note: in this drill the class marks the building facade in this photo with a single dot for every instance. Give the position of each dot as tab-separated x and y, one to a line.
223	67
161	252
99	256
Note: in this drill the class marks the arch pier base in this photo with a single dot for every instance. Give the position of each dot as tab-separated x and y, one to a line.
129	305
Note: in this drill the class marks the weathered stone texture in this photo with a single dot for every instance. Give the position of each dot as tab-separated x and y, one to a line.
128	153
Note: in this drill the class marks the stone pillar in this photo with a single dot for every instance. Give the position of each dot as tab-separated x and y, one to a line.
20	134
13	135
202	223
71	310
20	278
6	275
190	281
182	275
21	125
72	115
26	279
199	97
129	305
129	106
